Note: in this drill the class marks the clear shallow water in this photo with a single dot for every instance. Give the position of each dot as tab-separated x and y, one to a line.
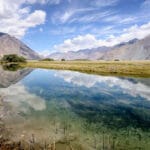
86	111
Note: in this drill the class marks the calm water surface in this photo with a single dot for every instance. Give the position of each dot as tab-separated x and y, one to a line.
88	112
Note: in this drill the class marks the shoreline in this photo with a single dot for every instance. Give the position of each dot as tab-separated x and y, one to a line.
107	68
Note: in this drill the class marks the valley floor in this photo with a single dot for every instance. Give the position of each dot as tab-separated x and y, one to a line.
114	68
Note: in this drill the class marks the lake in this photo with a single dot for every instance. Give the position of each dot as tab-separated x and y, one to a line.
76	111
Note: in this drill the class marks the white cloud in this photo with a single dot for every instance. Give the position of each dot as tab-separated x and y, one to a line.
36	1
65	17
56	2
46	53
104	3
97	3
37	17
68	14
86	11
146	4
41	29
79	42
133	32
16	20
63	30
52	2
127	20
92	17
90	41
116	19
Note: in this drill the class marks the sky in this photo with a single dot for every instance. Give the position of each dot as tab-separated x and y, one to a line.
49	26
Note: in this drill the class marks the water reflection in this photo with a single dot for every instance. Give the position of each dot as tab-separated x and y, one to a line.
86	111
11	67
21	99
8	77
129	86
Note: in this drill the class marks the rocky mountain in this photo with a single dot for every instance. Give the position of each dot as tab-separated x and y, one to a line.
131	50
11	45
81	54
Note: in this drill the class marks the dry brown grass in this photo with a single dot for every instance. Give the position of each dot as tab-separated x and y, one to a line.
115	68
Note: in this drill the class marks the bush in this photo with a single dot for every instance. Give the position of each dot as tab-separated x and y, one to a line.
116	60
13	58
11	67
62	59
47	59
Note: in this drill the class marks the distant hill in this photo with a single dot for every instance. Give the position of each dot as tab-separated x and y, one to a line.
132	50
91	54
11	45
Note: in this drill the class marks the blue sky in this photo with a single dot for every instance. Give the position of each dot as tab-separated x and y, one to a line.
62	25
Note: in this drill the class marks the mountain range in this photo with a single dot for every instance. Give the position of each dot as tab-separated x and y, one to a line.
132	50
11	45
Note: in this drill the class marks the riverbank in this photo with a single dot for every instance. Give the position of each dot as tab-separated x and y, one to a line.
114	68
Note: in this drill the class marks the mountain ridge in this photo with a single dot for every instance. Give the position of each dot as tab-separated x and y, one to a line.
132	50
11	45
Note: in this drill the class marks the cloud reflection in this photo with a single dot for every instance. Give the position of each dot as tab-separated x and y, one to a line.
18	97
80	79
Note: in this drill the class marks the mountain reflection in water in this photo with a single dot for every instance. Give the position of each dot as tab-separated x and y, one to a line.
88	111
8	77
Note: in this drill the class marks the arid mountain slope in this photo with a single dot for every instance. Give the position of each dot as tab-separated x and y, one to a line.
138	50
132	50
11	45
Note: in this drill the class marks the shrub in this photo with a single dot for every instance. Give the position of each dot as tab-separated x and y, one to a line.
11	67
13	58
62	59
116	60
47	59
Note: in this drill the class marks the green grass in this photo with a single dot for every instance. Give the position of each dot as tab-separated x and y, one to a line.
115	68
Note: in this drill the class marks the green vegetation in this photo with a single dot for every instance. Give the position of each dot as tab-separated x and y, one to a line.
81	60
47	59
11	67
12	58
62	59
70	130
116	60
115	68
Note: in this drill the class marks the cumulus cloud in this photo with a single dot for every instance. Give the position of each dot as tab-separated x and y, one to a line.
16	19
90	41
79	42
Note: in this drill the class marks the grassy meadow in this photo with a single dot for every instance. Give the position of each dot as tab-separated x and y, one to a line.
114	68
